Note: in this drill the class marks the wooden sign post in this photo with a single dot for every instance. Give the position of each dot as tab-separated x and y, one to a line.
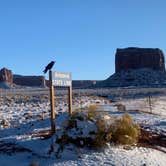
61	79
52	103
64	79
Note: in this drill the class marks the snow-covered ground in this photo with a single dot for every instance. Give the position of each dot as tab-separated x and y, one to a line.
23	119
155	104
115	156
152	122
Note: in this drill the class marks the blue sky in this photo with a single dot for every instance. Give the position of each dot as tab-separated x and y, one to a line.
81	35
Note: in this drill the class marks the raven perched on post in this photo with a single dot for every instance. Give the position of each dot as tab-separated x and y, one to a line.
48	67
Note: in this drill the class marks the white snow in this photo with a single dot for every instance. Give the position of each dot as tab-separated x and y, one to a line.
25	124
155	105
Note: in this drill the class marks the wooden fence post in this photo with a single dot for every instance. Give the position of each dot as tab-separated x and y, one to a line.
70	99
150	103
52	103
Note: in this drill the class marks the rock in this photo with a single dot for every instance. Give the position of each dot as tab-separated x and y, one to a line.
6	75
7	80
29	80
83	83
121	107
137	67
41	116
138	77
27	115
138	58
5	123
1	117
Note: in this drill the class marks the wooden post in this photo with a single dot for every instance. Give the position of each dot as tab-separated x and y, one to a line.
52	103
70	99
150	104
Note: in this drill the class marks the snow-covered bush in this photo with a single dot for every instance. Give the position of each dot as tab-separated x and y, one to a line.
91	128
87	127
103	134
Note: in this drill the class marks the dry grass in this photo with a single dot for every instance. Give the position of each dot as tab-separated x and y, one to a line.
103	134
125	131
92	112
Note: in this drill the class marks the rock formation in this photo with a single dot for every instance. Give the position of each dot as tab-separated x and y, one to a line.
6	76
7	80
83	83
29	80
137	67
138	58
80	83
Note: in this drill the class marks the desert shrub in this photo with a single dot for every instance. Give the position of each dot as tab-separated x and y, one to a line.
78	130
85	128
79	114
125	131
92	107
121	107
89	113
90	128
96	123
34	164
103	135
92	112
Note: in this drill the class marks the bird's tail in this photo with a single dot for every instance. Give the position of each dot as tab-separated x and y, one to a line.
45	71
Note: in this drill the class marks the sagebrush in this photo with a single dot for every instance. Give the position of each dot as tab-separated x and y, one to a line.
95	129
125	131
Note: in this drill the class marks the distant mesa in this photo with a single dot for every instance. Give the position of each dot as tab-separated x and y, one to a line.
8	80
133	67
31	81
138	58
137	67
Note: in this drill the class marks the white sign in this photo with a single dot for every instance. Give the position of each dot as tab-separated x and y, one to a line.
61	79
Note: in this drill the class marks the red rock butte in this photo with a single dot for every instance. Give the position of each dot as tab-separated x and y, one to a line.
138	58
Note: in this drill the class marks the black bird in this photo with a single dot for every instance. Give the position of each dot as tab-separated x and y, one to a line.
49	67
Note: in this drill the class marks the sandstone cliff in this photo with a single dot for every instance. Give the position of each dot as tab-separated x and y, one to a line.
138	58
137	67
6	75
29	80
7	79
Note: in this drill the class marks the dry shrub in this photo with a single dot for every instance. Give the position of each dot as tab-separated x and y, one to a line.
78	114
92	107
121	107
92	112
125	131
34	164
103	134
107	129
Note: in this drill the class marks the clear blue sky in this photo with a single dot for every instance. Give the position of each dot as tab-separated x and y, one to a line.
81	35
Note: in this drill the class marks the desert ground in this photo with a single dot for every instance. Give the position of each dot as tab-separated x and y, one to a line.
25	126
